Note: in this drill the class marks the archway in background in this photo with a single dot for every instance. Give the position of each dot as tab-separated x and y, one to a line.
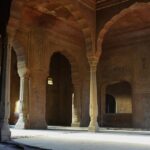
110	104
59	92
124	42
103	32
118	106
14	90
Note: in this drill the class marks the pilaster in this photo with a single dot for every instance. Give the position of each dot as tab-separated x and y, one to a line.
5	93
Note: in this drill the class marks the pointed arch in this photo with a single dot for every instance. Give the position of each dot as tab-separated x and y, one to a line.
114	19
18	6
15	17
74	65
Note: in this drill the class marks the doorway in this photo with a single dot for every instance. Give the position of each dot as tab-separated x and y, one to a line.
59	92
118	105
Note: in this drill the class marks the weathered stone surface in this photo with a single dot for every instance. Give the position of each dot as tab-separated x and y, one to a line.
104	42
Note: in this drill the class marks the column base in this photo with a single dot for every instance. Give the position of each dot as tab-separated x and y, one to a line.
37	125
75	124
20	125
5	133
93	127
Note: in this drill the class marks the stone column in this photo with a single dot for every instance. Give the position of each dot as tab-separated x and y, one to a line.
5	92
23	98
93	107
38	99
141	105
141	88
76	106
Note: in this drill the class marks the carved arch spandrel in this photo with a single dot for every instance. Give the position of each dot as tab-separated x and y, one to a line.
114	19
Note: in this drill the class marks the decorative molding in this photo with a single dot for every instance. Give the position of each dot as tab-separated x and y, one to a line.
89	3
102	4
114	19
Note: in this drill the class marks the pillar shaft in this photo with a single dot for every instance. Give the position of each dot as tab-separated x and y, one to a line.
76	106
23	100
93	107
38	99
5	95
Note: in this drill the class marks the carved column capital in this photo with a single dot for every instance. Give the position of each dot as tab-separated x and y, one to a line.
93	61
23	72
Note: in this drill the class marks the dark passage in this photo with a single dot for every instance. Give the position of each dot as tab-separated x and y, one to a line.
59	92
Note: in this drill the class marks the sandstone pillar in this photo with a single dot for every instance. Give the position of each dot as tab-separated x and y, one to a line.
38	99
23	98
141	88
141	104
76	106
5	92
93	107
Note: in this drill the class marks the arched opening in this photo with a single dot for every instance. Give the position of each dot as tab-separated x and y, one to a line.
115	19
14	90
125	57
120	95
59	92
118	106
110	104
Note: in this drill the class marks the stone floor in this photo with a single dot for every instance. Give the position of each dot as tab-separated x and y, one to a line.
17	146
67	139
